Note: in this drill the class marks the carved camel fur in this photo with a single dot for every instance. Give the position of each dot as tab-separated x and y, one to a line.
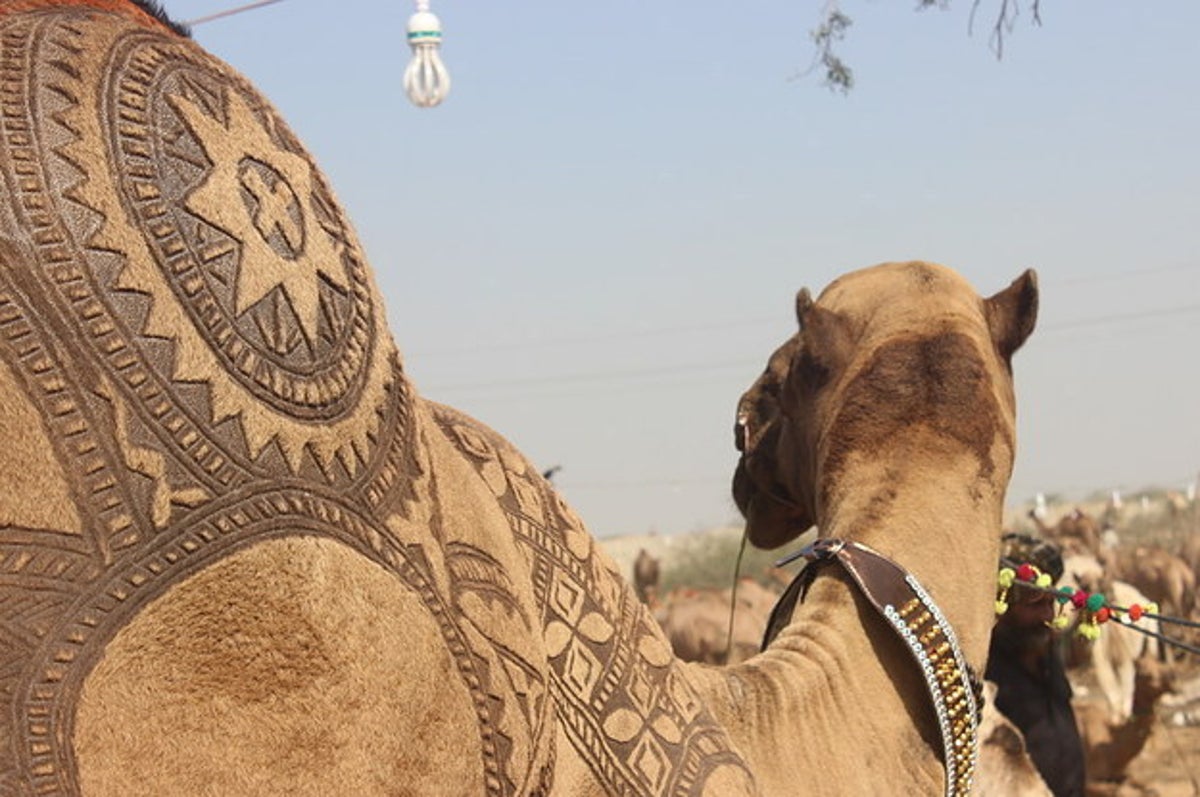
239	554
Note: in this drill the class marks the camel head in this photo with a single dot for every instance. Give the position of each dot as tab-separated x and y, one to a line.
899	347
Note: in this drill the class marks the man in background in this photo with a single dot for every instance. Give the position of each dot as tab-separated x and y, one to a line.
1027	667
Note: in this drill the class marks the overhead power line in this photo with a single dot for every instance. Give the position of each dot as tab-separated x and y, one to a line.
229	12
1118	317
695	368
774	321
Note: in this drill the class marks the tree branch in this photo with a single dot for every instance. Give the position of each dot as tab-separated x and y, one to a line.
833	24
831	30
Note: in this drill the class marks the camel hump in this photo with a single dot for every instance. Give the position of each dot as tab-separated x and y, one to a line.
264	633
181	262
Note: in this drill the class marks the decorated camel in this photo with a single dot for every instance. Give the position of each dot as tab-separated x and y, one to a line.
239	554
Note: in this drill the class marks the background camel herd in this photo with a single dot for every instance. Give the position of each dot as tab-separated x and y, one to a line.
1134	696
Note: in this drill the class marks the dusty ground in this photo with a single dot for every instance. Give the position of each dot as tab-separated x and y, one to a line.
1169	765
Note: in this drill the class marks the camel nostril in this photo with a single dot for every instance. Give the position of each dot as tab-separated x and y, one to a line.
741	434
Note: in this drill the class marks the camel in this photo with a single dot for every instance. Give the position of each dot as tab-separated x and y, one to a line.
1161	575
1112	656
1110	746
645	577
696	621
897	386
1189	551
1075	532
1005	768
241	554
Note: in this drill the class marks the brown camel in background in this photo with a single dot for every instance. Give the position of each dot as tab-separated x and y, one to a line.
1161	575
1005	768
1111	745
697	621
242	555
1075	532
646	574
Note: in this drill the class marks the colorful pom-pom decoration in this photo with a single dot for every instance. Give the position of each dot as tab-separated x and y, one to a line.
1095	604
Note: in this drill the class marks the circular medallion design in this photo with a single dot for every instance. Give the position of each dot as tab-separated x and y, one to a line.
272	205
243	228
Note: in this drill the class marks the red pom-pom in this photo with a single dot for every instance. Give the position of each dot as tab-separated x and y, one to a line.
1079	599
1102	614
1026	572
1135	612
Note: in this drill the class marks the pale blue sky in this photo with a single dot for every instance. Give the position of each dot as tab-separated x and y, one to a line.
594	244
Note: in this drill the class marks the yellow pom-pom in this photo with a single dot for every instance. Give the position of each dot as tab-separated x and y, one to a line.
1043	580
1151	608
1060	622
1001	607
1005	577
1089	631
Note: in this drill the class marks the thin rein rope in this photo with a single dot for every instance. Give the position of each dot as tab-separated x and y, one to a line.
737	572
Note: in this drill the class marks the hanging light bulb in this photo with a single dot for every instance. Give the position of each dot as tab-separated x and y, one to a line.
425	80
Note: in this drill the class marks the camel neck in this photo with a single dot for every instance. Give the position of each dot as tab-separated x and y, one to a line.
838	655
837	672
938	526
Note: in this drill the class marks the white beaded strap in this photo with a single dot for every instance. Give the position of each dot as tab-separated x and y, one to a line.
953	688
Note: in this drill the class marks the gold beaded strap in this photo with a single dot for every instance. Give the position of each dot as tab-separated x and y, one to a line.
902	601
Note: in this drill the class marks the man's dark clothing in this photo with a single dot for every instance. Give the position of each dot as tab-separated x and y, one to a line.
1039	703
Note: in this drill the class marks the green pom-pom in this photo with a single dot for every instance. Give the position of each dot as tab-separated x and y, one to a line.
1064	594
1094	602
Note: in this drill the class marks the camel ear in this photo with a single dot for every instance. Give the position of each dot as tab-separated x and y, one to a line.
1012	313
804	304
826	335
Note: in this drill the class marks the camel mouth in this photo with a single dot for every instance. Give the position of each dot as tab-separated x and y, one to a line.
772	518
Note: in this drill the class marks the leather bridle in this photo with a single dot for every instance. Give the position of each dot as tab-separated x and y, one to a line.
954	689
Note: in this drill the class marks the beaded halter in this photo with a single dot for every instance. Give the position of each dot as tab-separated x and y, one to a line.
953	688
